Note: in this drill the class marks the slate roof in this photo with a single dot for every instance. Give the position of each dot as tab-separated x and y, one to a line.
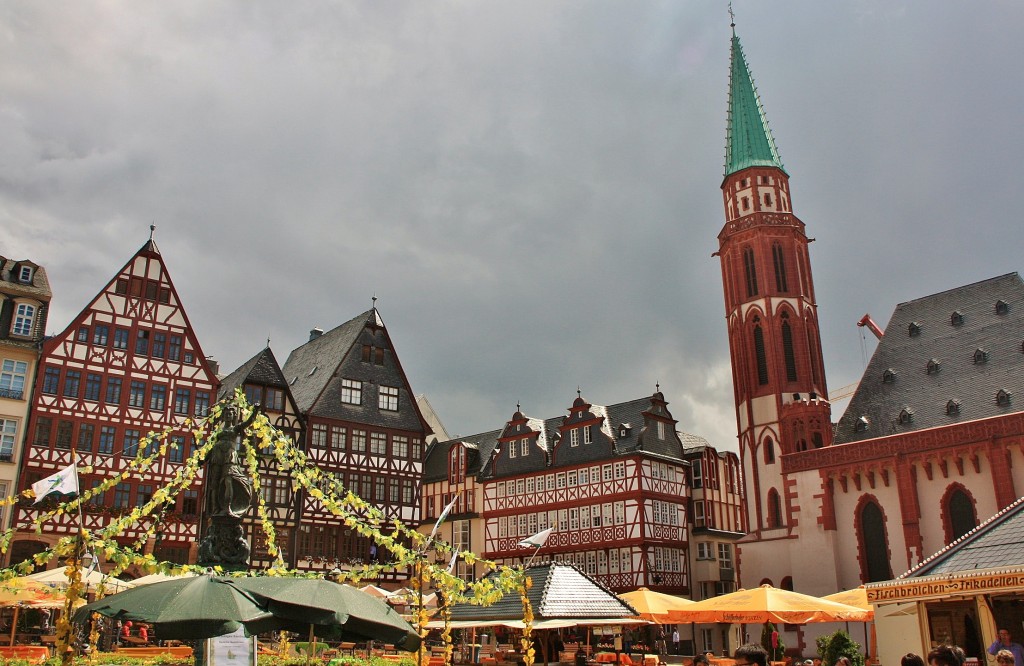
950	328
261	369
748	141
996	543
309	367
559	591
630	413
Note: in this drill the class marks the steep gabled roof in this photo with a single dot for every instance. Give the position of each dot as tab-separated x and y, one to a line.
309	367
261	368
559	591
748	141
943	360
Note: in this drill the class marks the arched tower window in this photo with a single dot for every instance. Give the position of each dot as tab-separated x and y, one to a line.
958	514
762	358
780	268
774	509
787	348
750	271
874	542
769	451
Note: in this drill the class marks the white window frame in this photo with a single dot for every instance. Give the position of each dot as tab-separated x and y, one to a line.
8	439
12	375
524	446
588	434
512	449
351	392
574	437
24	276
24	319
387	398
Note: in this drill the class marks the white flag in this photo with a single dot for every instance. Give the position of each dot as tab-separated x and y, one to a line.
440	519
455	558
65	482
537	540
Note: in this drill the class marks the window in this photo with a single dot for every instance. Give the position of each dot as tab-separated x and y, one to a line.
137	394
12	379
661	430
725	555
25	274
120	338
318	437
379	487
1003	398
113	395
588	435
42	434
143	494
83	334
107	435
159	344
779	260
93	384
8	431
524	446
359	441
933	366
774	509
64	429
158	397
141	343
131	443
762	358
393	491
351	392
176	450
400	446
24	318
100	332
705	551
253	394
378	443
72	382
182	400
387	399
202	403
174	348
122	495
787	349
874	544
274	399
51	380
338	436
698	513
190	502
750	271
512	450
86	434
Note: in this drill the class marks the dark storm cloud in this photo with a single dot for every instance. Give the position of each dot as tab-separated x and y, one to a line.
530	188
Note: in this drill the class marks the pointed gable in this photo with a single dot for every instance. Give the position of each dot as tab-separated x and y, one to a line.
352	373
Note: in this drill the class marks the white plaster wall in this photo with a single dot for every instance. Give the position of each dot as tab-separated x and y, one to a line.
1017	463
765	412
847	541
930	493
815	541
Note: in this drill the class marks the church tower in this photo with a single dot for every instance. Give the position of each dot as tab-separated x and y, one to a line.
771	312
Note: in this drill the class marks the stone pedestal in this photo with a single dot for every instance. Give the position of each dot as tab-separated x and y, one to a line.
225	544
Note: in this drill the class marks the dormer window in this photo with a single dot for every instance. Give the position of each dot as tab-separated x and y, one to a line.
934	366
953	407
25	275
524	446
588	434
906	415
24	319
1002	307
889	376
351	392
980	356
861	425
624	430
512	450
574	437
914	329
956	318
1003	398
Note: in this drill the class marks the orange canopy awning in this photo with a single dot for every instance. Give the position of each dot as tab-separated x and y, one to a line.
857	597
769	604
654	606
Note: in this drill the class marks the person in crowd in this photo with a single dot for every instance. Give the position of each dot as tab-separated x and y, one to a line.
808	662
1005	642
1005	658
843	661
911	659
675	641
945	655
143	634
126	631
660	647
701	660
751	655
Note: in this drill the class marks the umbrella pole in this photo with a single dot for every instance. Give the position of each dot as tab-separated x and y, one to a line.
311	645
14	623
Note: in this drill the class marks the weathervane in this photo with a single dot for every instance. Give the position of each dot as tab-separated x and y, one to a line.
152	228
732	19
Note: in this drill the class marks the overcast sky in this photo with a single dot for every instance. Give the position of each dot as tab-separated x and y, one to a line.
530	188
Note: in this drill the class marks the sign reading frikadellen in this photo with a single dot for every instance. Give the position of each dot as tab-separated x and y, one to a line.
926	588
234	649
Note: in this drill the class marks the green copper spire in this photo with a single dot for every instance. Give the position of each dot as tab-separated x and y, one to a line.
748	141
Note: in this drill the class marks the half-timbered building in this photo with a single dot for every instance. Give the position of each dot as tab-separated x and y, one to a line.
363	426
129	363
264	384
24	302
611	482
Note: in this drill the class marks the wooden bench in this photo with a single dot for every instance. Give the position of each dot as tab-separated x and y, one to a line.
29	652
182	651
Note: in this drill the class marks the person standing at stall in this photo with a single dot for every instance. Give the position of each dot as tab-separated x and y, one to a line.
1005	642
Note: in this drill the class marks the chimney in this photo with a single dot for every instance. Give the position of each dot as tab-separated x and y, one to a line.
214	365
315	333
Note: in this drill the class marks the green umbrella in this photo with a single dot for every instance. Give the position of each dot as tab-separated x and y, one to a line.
186	608
332	610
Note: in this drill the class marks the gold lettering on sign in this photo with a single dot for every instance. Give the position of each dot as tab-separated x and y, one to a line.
932	588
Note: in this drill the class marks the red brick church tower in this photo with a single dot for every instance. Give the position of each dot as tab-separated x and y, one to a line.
778	373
